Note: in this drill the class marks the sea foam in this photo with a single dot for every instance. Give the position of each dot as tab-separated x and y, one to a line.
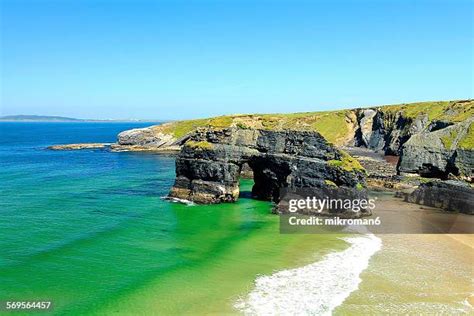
178	200
315	289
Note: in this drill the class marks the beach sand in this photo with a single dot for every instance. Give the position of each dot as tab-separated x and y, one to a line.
416	274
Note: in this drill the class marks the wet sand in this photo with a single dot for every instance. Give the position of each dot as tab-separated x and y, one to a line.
417	274
400	217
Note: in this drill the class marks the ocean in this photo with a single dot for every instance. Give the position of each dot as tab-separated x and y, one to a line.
89	231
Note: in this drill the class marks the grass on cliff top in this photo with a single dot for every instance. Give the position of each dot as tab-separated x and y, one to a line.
453	111
331	125
335	126
181	128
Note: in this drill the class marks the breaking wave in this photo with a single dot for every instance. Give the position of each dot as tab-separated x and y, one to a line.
317	288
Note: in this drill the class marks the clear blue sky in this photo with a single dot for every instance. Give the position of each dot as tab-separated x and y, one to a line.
178	59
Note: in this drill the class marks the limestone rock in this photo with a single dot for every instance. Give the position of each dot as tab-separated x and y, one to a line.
210	164
366	125
439	153
79	146
453	196
145	137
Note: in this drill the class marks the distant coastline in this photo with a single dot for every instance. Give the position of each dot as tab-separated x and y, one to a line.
45	118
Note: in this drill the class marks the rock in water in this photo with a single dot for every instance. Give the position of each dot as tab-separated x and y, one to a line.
79	146
209	165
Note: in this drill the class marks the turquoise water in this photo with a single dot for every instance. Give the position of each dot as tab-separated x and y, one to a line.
89	231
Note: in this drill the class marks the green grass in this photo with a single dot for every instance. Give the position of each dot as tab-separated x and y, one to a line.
467	142
221	121
335	126
181	128
332	126
448	139
453	111
347	163
199	145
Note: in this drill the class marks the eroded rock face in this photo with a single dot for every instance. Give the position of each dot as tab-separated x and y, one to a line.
148	138
209	165
453	196
145	136
386	132
439	153
382	129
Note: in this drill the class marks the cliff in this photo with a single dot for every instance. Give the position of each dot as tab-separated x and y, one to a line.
209	165
384	129
441	152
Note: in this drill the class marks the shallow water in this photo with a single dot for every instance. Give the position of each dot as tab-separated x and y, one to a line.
315	289
89	230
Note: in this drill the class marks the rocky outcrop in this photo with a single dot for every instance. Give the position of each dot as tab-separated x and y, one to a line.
146	139
383	129
79	146
440	153
381	170
423	135
452	196
210	163
385	132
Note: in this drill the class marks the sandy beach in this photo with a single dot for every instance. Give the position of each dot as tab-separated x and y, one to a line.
416	274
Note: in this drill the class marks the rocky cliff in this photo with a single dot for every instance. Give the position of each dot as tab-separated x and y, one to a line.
148	138
384	129
433	139
209	165
441	152
452	196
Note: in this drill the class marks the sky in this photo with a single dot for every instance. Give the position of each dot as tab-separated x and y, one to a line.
189	59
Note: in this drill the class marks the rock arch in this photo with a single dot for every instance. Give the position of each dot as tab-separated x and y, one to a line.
209	165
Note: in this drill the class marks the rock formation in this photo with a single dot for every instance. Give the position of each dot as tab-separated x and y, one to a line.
145	139
79	146
440	153
210	163
381	174
453	196
384	129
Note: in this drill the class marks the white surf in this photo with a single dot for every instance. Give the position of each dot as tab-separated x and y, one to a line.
315	289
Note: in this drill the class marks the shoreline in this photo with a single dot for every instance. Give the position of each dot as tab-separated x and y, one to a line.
317	288
113	147
415	274
283	291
